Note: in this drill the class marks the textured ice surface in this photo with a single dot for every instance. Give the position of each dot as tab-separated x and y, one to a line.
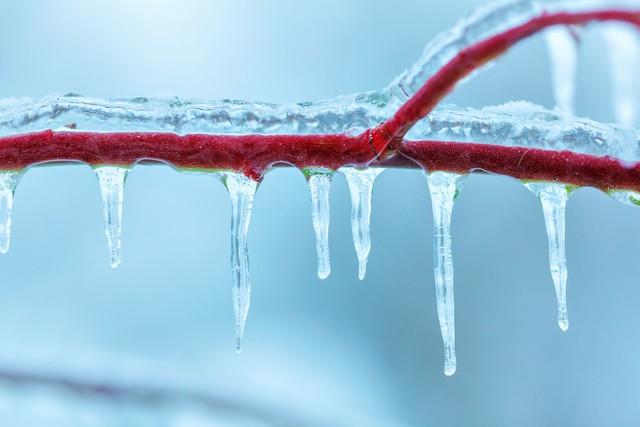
524	124
345	114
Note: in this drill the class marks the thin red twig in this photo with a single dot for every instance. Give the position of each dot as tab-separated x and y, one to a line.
472	58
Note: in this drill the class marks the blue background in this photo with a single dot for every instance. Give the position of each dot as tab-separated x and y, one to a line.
329	353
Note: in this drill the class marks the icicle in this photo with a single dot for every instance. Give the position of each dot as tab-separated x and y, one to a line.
444	188
319	181
111	180
360	183
624	58
554	198
241	191
8	183
563	56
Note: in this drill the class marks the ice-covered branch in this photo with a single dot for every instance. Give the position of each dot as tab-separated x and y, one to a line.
474	44
359	135
516	139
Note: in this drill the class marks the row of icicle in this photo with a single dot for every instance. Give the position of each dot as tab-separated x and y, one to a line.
444	187
241	190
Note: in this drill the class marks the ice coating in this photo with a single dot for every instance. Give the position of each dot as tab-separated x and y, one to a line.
483	22
8	183
516	123
111	180
553	198
563	57
241	192
444	188
524	124
623	45
360	183
344	114
319	181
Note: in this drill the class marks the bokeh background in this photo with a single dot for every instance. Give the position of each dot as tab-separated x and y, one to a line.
338	352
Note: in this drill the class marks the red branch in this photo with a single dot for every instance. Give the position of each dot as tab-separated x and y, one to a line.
472	58
252	154
568	167
383	145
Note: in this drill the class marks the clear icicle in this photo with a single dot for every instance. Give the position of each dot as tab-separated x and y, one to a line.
241	192
8	184
623	45
444	188
563	56
360	183
319	181
111	180
554	198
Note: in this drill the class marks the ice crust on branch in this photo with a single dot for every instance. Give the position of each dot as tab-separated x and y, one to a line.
517	123
523	124
345	114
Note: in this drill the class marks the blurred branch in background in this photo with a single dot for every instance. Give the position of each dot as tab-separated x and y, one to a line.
64	401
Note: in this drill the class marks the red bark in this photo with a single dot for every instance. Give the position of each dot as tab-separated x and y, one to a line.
568	167
251	154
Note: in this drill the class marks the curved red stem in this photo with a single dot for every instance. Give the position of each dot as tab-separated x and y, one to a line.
472	58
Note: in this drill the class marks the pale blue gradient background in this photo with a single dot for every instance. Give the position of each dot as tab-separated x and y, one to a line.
334	353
